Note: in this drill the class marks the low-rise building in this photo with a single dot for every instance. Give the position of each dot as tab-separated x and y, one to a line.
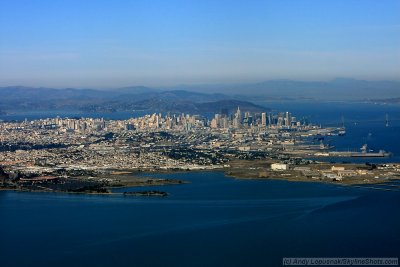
279	166
301	168
331	175
344	173
336	168
362	172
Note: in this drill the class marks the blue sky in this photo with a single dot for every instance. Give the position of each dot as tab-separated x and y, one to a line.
94	43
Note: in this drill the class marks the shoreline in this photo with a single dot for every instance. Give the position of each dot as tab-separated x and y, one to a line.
306	180
231	176
239	169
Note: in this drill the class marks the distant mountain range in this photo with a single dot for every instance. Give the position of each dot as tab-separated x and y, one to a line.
342	89
123	99
395	100
196	98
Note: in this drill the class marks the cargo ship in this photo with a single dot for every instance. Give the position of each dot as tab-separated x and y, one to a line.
363	154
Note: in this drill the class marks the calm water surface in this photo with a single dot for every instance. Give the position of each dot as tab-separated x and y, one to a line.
212	221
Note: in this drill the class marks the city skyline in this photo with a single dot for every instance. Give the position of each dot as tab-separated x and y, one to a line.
103	44
199	132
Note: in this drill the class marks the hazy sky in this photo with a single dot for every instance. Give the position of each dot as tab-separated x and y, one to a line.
84	43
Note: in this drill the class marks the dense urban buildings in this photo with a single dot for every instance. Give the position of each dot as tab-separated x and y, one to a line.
262	145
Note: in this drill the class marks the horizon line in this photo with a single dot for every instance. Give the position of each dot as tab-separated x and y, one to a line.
198	84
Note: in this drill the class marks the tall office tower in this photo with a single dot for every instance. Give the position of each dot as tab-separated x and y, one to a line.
293	121
238	119
280	120
239	115
72	124
285	122
214	123
157	121
168	123
263	119
287	118
249	120
225	123
218	120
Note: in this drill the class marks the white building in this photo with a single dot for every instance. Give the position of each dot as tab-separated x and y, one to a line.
336	168
263	119
279	166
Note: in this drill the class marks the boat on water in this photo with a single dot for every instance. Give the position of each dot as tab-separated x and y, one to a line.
365	153
341	131
380	154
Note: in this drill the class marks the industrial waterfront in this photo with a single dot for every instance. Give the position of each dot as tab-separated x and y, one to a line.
93	154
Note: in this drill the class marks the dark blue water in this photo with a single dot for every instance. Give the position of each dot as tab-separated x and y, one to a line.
364	122
212	221
374	134
331	113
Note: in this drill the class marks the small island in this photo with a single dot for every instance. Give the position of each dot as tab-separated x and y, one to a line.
152	193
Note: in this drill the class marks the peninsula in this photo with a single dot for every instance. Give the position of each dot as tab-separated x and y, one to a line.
87	155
